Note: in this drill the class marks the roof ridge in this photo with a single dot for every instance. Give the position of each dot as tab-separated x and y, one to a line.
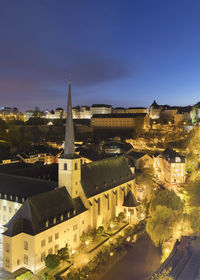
27	178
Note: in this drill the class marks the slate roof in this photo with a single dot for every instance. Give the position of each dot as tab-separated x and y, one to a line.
130	200
102	175
171	155
23	187
32	216
48	171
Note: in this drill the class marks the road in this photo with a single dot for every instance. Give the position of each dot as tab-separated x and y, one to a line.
139	264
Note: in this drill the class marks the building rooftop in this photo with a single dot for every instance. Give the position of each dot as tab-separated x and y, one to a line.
172	156
31	218
101	105
23	187
130	200
121	115
102	175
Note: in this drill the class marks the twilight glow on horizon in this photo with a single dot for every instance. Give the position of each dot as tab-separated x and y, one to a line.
123	53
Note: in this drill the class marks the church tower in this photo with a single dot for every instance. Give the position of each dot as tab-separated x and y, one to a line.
69	164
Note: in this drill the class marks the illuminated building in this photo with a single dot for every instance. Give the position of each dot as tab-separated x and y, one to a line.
120	121
101	109
170	167
87	196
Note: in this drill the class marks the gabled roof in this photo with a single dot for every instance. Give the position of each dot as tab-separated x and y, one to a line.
23	186
130	200
32	216
102	175
171	156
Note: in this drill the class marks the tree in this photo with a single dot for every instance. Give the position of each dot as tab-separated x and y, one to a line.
160	225
192	190
195	219
164	275
63	253
166	198
52	261
191	164
121	216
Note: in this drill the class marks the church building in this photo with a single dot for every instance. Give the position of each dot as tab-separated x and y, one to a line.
87	196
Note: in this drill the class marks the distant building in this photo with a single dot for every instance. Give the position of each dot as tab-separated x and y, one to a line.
120	121
137	110
170	167
81	112
119	110
101	109
177	113
8	113
29	114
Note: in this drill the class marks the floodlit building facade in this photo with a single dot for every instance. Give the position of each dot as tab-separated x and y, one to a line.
87	196
170	167
120	121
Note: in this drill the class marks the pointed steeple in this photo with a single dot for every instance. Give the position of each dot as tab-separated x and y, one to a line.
69	130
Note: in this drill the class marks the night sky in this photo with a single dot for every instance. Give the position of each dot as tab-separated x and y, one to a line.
123	53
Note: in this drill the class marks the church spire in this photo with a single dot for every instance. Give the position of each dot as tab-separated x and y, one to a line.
69	130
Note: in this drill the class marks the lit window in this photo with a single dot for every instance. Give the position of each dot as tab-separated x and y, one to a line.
25	245
42	256
56	248
7	262
75	227
50	239
177	159
25	259
7	248
50	251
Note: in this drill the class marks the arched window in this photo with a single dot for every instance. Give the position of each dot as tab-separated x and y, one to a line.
65	166
76	166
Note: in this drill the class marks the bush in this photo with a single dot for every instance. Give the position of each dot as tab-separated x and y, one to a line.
51	261
25	276
121	216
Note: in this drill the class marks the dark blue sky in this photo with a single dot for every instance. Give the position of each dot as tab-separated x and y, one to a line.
124	53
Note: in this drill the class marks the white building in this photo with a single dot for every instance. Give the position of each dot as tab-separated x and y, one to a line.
87	196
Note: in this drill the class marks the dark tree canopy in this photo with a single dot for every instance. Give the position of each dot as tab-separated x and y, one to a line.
166	198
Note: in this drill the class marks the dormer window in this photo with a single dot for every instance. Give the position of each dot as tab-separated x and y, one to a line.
74	212
65	166
68	214
11	197
177	159
54	220
47	223
61	217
